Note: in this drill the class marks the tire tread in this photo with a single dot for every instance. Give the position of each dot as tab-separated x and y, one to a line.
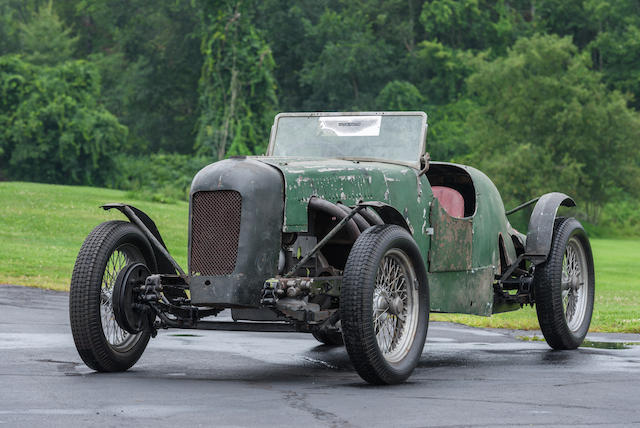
360	340
85	322
548	295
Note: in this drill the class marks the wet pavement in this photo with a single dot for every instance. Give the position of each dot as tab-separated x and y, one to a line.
466	377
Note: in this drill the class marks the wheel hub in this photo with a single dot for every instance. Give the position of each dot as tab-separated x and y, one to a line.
395	305
575	283
129	314
381	304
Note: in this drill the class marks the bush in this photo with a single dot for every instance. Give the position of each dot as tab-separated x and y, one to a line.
158	177
52	128
618	219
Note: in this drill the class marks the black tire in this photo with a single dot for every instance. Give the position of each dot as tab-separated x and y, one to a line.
118	243
359	288
556	286
329	338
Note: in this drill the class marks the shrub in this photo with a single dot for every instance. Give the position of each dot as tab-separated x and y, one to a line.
52	128
158	177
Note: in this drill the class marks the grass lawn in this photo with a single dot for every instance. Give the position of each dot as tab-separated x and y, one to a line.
42	228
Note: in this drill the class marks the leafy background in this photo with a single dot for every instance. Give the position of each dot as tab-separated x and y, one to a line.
542	95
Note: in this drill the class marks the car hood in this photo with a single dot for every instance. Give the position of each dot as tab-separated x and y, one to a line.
346	181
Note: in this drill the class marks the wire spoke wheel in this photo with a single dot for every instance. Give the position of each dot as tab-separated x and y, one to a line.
102	344
564	287
394	305
574	278
384	304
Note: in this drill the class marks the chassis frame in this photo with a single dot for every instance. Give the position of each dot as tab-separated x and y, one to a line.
180	313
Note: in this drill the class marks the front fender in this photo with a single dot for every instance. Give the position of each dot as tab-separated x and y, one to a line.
388	214
541	223
164	264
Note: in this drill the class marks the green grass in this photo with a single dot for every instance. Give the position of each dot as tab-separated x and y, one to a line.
42	228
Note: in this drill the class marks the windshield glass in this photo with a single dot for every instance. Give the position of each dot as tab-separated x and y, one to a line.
386	136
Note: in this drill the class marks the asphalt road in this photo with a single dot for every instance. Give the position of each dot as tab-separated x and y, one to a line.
466	377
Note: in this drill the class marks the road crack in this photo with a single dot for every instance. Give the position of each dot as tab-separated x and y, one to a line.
300	401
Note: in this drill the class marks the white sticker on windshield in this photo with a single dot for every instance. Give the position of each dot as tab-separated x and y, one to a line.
349	126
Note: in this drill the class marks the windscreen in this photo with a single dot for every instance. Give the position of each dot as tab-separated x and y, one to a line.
394	137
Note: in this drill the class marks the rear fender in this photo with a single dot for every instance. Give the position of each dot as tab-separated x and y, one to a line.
164	265
540	232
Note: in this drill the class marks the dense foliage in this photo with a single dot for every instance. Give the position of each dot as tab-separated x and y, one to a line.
552	125
237	86
52	128
541	94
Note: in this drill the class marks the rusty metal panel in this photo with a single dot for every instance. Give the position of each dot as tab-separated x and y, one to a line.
489	220
451	244
464	292
215	230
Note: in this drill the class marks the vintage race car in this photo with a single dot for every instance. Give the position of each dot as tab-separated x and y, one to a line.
345	230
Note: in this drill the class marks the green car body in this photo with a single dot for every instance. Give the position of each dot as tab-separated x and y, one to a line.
462	256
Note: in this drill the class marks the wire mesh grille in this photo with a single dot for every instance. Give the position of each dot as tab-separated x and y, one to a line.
215	228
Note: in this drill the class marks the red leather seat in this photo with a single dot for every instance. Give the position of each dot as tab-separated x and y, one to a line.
450	199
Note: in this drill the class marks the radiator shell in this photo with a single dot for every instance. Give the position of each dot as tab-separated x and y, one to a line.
258	190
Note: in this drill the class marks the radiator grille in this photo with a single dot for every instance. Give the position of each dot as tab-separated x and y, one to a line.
215	228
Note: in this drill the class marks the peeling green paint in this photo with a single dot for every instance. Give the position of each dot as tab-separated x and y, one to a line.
465	253
489	221
465	292
348	182
451	245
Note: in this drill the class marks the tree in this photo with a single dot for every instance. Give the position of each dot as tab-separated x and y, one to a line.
448	133
565	18
352	65
44	38
8	28
337	54
14	85
148	54
471	24
52	128
546	122
439	71
616	48
290	48
399	95
237	86
13	14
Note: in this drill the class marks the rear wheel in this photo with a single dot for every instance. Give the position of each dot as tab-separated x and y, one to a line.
384	305
564	287
102	344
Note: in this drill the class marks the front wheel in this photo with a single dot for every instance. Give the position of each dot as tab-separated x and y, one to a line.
384	305
100	341
564	287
